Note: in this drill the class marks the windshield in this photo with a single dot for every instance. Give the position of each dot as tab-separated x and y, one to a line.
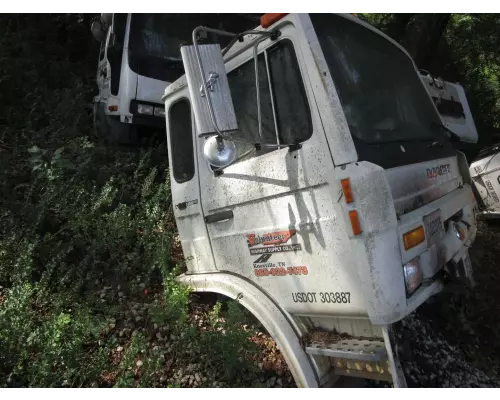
380	91
155	40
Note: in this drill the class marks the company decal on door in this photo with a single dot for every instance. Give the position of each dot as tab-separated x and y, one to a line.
277	269
266	245
270	243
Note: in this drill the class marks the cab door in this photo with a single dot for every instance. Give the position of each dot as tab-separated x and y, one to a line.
185	185
272	217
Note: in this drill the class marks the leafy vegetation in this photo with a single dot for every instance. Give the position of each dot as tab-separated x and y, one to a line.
86	230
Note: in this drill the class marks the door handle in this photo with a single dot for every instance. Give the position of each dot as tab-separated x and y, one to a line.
220	216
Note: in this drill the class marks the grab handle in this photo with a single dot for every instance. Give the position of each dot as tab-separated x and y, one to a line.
220	216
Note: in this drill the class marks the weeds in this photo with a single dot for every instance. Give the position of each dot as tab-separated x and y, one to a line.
85	233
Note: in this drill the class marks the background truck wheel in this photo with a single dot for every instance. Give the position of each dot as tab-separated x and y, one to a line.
111	130
101	125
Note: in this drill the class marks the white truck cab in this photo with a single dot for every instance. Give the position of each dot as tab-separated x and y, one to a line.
138	59
314	183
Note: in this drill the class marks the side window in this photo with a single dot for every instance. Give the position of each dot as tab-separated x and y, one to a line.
181	137
115	53
244	95
292	110
285	113
119	26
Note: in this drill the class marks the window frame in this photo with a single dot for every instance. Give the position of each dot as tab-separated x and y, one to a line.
173	141
302	86
102	50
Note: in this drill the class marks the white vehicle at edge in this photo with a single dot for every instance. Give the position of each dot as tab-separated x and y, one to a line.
337	206
485	173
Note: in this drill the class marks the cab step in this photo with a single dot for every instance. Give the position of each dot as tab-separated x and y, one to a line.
354	357
368	358
355	349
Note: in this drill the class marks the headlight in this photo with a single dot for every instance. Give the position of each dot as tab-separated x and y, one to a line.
459	232
413	275
144	109
159	112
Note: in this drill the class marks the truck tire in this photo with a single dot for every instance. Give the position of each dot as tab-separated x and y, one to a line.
101	126
121	133
110	129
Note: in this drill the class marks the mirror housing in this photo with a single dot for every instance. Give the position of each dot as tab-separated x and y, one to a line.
98	31
213	111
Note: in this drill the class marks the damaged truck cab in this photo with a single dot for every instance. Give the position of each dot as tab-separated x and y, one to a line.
313	182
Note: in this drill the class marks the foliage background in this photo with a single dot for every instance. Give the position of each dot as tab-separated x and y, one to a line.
461	48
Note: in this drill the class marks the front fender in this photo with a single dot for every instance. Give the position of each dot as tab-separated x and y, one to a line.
277	322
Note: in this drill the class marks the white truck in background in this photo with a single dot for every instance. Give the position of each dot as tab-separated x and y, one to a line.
452	105
134	67
451	102
139	57
314	182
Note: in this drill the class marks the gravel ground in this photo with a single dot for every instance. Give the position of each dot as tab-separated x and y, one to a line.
454	339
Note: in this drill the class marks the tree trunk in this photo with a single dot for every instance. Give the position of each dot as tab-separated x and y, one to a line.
423	38
396	28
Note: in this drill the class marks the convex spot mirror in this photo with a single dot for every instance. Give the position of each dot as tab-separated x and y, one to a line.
99	27
219	152
98	31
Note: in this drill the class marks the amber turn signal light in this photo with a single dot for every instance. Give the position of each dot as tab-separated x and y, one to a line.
356	227
414	237
268	19
346	188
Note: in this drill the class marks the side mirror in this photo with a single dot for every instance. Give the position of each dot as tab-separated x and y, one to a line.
209	90
98	31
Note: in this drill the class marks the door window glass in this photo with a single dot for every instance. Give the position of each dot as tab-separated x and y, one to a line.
285	113
181	137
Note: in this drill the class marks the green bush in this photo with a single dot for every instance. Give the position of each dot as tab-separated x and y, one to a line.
228	343
77	217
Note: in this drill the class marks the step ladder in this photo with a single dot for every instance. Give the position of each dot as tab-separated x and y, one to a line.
368	358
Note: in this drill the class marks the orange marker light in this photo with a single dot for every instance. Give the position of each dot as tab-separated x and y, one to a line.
346	188
113	108
414	237
268	19
356	227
